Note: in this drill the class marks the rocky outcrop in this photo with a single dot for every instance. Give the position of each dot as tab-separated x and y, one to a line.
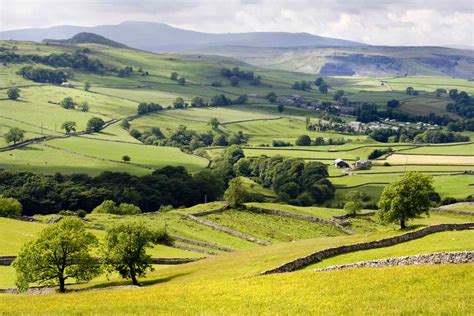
331	252
432	258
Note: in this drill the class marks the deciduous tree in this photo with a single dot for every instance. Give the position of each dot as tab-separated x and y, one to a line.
406	198
60	252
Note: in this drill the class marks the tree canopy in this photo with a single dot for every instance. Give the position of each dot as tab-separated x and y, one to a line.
60	252
406	198
125	246
14	135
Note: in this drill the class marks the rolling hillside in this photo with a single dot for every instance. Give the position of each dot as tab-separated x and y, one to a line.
159	37
358	61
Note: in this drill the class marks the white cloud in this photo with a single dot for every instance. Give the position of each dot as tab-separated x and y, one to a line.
402	22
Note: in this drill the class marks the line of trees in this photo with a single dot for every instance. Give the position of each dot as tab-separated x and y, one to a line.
42	194
402	135
236	74
44	75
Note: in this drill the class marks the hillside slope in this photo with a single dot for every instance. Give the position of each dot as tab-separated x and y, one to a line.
162	37
86	38
358	61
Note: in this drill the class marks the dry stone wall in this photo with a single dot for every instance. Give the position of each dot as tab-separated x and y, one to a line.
432	258
331	252
229	231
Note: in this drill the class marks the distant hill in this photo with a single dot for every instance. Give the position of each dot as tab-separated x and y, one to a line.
157	37
359	61
87	38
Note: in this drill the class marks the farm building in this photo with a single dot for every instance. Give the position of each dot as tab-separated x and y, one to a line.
339	163
362	164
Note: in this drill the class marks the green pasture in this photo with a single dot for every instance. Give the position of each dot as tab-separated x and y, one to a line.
270	227
152	157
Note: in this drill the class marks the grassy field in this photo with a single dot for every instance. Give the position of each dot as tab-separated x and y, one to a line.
401	290
270	227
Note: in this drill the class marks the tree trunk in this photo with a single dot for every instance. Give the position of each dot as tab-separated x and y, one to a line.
402	223
61	285
133	276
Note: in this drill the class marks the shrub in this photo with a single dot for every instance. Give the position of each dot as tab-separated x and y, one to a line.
10	207
303	140
94	125
448	200
13	93
128	209
106	207
305	199
67	103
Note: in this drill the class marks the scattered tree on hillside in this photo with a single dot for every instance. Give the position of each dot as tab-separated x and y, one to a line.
60	252
13	93
236	195
323	88
280	108
178	103
174	76
234	81
125	249
67	103
87	85
94	125
10	207
197	101
319	81
125	124
14	135
354	203
84	106
214	123
406	198
69	126
126	158
271	97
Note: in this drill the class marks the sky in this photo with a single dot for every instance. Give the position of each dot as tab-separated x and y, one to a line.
377	22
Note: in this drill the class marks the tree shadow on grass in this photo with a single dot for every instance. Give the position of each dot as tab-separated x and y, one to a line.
143	283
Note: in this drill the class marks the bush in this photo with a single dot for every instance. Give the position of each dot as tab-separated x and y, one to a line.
67	103
109	207
13	93
10	207
128	209
305	199
280	143
94	125
303	140
106	207
448	200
